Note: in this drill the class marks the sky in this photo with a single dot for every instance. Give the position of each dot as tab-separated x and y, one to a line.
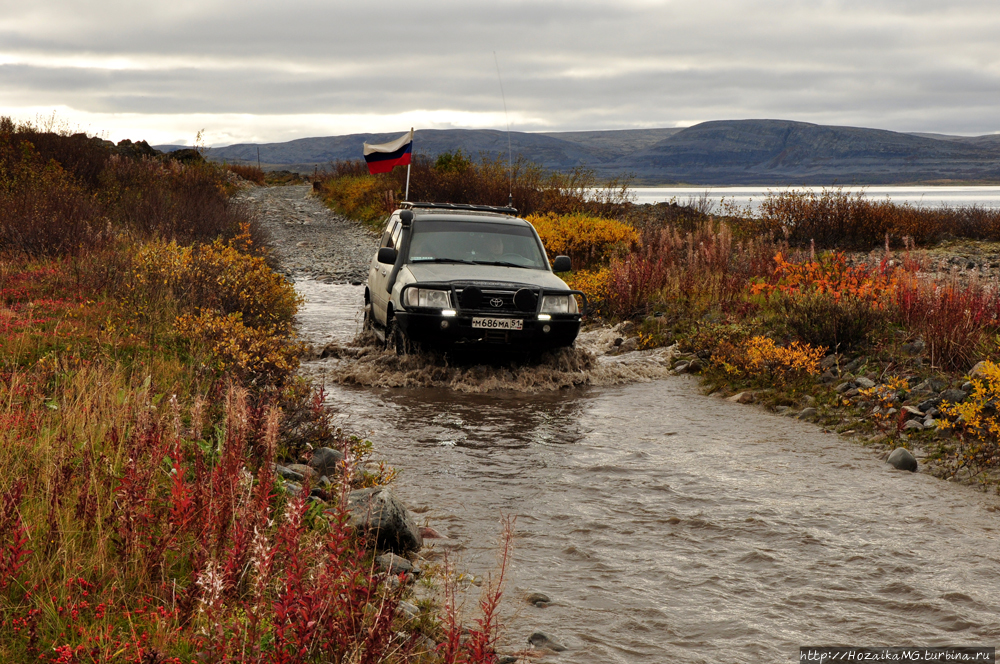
250	71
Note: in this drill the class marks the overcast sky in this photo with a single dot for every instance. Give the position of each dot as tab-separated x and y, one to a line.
251	71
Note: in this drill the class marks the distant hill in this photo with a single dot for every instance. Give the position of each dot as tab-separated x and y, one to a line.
720	152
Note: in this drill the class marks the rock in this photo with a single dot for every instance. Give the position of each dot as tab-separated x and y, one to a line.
538	599
828	361
618	341
851	393
853	365
901	459
930	423
742	397
966	387
303	470
543	640
843	387
396	565
379	513
809	400
864	383
954	396
407	609
914	347
326	461
827	377
287	474
912	412
927	404
937	384
681	367
694	366
630	344
916	425
627	326
292	488
506	659
807	413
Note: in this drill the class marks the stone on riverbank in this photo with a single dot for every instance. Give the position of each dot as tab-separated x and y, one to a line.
396	565
901	459
379	513
543	640
326	461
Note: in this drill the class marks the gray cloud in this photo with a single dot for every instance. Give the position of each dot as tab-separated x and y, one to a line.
908	65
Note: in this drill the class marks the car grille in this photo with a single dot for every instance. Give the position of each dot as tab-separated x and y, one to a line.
492	300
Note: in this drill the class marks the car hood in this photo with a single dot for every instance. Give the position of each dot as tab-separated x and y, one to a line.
484	275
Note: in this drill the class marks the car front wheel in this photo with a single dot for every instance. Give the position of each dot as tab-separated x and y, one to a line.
396	338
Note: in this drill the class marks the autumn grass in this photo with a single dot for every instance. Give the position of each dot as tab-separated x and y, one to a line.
147	388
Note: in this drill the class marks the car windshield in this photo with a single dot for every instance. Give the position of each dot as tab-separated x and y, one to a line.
478	243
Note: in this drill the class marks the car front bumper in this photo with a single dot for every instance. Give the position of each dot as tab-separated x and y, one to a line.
437	329
447	327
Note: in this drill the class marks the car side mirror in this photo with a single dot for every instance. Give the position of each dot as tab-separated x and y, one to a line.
387	256
562	264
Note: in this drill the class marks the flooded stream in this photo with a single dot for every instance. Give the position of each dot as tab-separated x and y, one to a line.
668	526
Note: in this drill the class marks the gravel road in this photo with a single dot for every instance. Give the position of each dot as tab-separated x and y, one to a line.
310	240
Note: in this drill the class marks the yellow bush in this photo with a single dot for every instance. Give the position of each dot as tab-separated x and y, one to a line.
759	358
228	298
976	421
594	283
260	355
359	196
587	240
227	278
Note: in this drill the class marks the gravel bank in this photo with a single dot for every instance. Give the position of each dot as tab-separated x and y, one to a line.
310	240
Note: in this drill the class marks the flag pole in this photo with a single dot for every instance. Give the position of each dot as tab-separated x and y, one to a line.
406	195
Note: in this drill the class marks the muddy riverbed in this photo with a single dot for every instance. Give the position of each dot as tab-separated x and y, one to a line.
665	525
670	526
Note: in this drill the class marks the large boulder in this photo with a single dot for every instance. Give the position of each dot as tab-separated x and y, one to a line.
379	514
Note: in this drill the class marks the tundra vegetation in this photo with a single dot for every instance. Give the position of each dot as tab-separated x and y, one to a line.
147	387
864	311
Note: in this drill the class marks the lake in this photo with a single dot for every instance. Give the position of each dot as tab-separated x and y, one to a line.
743	196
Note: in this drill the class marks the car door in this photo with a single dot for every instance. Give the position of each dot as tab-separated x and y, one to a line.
378	273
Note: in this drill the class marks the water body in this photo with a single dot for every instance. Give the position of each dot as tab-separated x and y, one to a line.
743	197
668	526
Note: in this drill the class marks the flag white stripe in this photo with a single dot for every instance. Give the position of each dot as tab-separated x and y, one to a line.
390	147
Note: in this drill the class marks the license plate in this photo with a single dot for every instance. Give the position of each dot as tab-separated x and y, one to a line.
498	323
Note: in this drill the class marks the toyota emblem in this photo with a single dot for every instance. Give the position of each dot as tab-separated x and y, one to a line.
497	302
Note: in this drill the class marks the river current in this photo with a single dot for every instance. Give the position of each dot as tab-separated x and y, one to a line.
669	526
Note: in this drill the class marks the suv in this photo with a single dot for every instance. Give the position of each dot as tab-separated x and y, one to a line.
448	274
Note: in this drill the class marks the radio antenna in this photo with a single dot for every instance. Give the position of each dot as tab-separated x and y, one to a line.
510	167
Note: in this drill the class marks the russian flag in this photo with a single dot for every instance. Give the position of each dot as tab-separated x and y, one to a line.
383	157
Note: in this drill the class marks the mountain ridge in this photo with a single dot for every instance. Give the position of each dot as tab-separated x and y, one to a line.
761	152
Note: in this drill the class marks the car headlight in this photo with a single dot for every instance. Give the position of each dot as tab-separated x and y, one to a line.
423	297
558	304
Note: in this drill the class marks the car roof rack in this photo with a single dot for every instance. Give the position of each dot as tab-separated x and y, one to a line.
410	205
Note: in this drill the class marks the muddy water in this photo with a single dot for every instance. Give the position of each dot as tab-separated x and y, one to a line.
668	526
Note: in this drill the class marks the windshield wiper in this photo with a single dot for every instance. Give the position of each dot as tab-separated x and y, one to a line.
500	263
444	260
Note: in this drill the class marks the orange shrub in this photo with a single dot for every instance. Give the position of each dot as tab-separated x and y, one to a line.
829	275
761	360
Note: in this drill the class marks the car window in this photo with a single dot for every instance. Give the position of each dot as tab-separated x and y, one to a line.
485	243
387	236
394	242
